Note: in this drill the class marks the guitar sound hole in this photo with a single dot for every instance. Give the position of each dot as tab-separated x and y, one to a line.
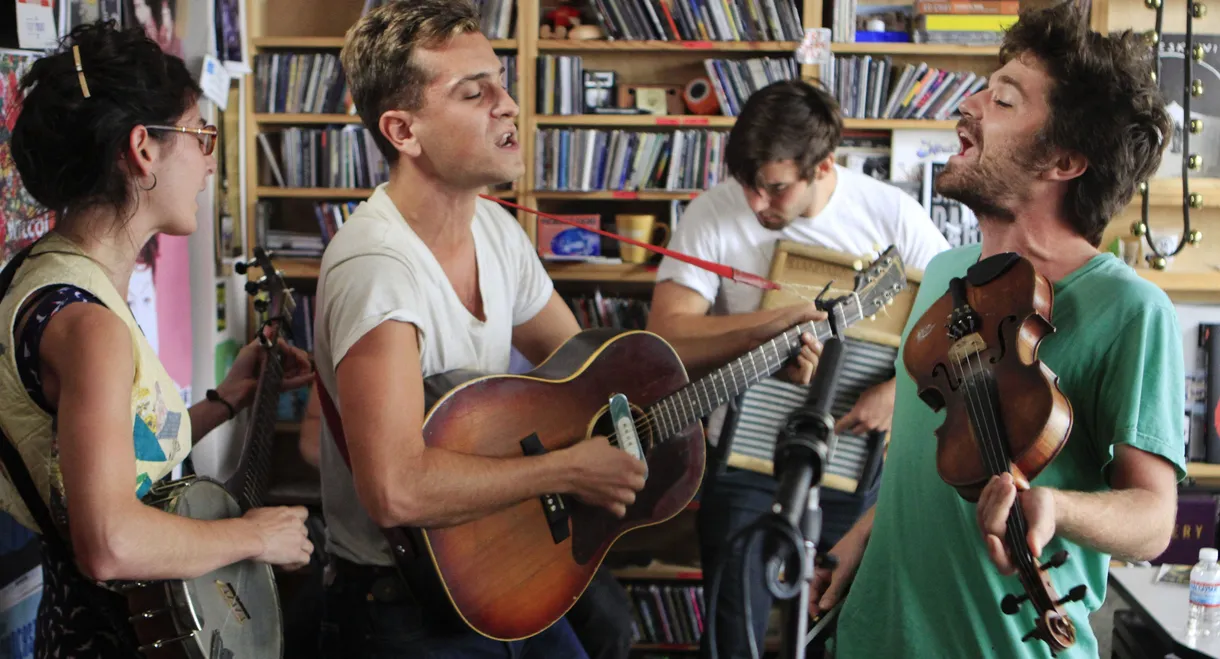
604	426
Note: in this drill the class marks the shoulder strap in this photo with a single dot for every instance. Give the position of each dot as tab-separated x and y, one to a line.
332	418
404	543
9	455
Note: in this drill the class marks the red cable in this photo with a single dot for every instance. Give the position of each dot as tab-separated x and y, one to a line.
722	270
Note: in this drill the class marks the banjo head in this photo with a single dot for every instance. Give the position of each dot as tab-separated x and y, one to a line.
230	613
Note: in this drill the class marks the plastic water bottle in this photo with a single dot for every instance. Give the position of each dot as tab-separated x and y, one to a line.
1204	595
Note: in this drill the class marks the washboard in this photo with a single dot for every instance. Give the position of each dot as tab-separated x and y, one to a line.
870	348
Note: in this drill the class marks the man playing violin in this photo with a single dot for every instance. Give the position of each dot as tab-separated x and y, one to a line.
1051	150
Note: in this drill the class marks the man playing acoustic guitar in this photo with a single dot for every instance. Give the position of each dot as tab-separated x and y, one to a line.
1051	151
426	278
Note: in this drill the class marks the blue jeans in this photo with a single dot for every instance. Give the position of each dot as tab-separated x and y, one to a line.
731	501
369	614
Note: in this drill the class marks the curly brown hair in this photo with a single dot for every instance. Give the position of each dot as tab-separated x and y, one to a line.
1104	105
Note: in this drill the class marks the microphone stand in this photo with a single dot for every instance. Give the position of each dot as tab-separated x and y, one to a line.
800	455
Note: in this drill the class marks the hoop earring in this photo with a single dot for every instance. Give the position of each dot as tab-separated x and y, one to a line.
149	188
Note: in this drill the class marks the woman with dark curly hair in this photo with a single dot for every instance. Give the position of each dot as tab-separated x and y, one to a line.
111	138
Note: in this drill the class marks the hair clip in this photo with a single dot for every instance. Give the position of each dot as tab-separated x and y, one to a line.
80	72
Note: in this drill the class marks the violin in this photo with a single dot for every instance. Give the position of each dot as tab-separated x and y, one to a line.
974	353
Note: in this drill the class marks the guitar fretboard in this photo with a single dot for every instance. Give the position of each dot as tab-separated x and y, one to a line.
700	398
261	433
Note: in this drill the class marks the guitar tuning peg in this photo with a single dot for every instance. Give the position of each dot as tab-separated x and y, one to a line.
261	305
1057	560
858	265
240	267
253	287
1074	595
873	317
1012	603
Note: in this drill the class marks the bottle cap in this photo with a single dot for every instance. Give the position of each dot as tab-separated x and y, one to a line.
1208	554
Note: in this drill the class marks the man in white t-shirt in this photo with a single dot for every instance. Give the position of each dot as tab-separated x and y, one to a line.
784	185
427	278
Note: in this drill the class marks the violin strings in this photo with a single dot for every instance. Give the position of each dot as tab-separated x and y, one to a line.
989	441
1016	530
1017	517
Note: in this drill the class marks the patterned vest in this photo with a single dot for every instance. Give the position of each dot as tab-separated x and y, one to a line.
161	426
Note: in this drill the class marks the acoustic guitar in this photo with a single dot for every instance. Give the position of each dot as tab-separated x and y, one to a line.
234	611
513	573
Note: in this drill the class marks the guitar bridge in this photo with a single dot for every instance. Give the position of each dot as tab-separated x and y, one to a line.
553	505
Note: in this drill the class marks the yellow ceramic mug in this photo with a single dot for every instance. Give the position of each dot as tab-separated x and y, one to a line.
641	228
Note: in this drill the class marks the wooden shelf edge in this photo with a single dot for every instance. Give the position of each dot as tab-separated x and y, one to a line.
665	572
312	193
899	124
293	269
666	46
1203	471
925	49
337	42
625	272
1168	192
297	42
276	118
641	120
1183	282
720	121
620	195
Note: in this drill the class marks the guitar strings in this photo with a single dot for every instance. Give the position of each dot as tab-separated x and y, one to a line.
647	420
645	424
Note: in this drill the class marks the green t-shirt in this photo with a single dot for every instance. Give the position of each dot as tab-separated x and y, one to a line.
926	587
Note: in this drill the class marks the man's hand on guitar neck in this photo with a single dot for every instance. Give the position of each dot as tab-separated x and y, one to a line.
603	475
704	342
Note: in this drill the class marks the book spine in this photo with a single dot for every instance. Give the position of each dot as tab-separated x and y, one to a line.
1209	341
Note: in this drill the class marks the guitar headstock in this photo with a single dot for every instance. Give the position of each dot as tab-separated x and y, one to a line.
880	282
272	296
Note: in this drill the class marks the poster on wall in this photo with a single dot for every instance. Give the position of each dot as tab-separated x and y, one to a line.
159	294
160	20
230	43
22	220
1173	54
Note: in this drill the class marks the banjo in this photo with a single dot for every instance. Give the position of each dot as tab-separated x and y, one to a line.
232	612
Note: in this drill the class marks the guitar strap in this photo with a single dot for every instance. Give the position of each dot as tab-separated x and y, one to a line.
11	458
411	557
403	545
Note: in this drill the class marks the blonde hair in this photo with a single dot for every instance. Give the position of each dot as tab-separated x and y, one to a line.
378	61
